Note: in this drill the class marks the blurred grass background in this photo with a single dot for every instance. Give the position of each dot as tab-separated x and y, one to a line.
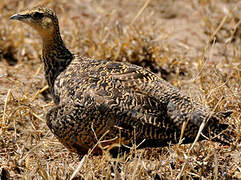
195	45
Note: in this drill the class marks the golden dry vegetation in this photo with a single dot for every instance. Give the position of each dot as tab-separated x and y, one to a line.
195	45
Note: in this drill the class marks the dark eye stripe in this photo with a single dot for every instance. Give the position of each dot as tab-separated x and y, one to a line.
37	15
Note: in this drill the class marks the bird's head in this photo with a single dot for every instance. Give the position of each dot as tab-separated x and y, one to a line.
42	19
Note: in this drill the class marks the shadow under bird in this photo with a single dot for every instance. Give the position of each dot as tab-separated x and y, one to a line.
119	102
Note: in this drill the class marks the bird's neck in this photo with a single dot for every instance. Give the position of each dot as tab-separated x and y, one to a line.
56	57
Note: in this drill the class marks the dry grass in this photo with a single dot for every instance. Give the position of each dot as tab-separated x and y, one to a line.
195	45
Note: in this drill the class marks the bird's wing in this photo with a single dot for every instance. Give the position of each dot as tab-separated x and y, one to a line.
140	98
137	99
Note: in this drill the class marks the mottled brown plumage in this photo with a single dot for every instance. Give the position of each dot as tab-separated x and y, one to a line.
95	96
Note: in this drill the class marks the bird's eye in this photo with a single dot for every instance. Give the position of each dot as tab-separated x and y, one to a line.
37	15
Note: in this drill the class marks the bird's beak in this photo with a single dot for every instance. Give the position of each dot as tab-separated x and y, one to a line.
18	17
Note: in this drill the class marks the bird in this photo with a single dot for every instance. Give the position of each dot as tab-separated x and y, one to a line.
102	103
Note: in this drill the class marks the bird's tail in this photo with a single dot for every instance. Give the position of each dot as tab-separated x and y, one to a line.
222	133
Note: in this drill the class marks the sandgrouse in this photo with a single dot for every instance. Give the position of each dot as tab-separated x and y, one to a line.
120	102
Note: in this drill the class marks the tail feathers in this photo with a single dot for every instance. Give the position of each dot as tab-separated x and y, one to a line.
225	114
222	133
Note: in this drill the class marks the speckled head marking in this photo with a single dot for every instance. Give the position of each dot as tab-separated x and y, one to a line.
42	19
